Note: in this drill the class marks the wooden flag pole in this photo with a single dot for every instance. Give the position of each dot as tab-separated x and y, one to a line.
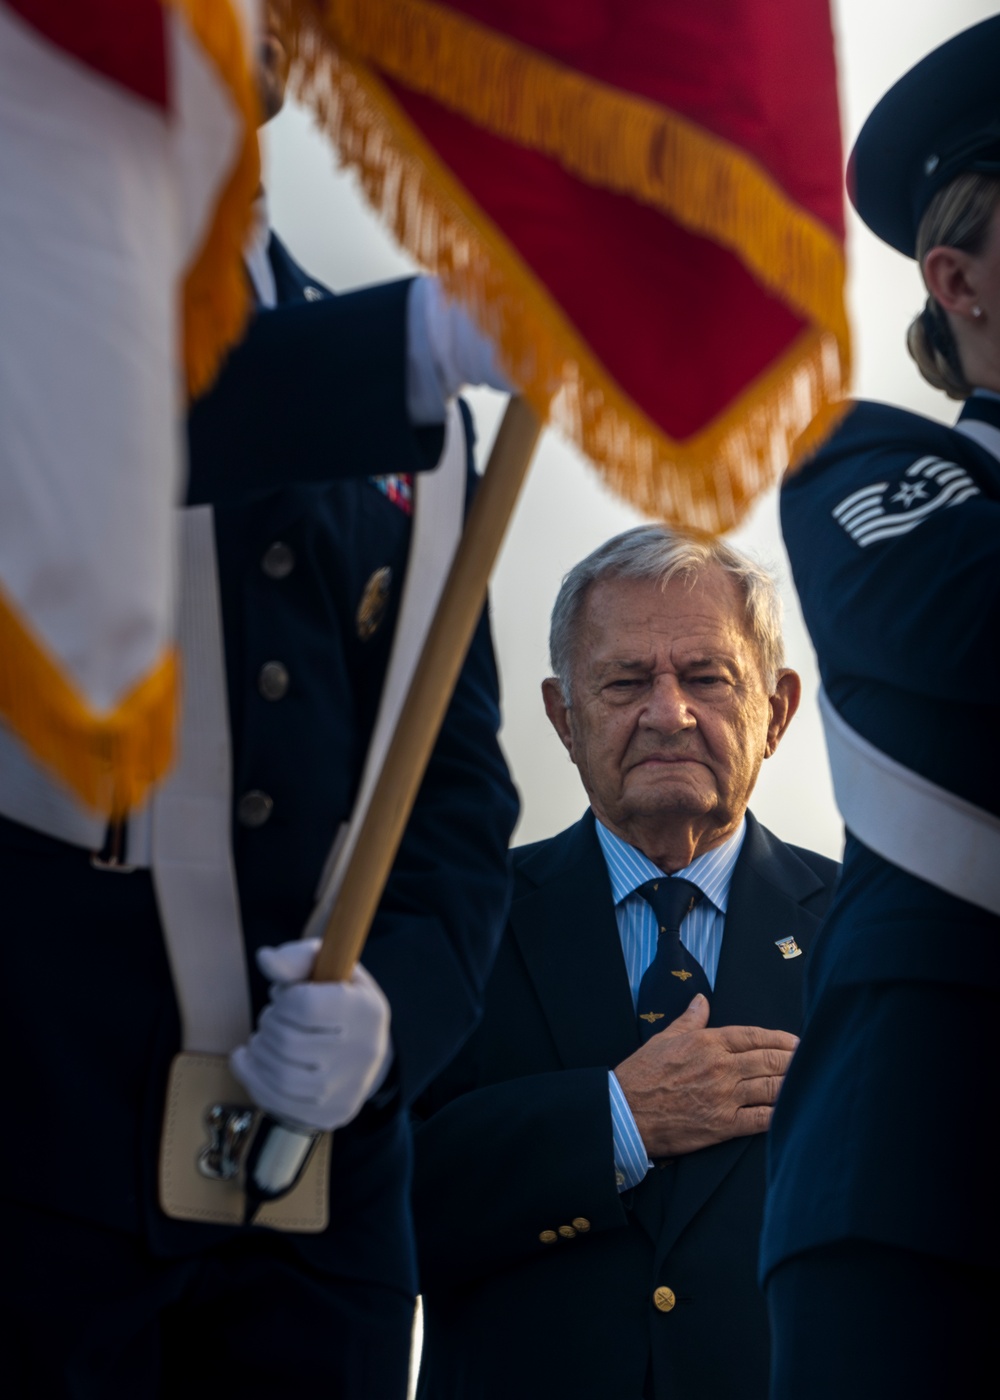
430	691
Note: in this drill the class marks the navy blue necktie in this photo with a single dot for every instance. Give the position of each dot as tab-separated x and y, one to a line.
674	975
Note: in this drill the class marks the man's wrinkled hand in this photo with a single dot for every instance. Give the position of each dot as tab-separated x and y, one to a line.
689	1087
321	1049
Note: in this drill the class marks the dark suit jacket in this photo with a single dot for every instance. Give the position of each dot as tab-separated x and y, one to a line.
516	1140
90	1097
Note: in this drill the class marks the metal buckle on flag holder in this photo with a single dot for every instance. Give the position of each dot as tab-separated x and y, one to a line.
246	1146
209	1134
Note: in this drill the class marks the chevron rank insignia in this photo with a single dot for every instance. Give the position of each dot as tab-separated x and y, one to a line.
651	1016
887	509
788	948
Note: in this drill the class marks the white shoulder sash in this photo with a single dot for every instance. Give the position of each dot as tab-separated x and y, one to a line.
910	821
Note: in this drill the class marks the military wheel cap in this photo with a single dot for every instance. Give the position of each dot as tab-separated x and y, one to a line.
940	120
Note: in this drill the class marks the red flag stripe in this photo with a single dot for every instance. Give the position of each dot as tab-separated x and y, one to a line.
123	40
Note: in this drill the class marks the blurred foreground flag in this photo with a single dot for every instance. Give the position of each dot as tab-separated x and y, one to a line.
128	164
639	199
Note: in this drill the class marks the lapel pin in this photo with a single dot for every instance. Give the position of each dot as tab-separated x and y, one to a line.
651	1016
788	948
371	609
684	974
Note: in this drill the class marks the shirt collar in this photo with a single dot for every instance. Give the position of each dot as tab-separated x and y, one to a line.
712	872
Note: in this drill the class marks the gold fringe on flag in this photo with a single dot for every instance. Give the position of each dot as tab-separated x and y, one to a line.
707	482
108	759
216	296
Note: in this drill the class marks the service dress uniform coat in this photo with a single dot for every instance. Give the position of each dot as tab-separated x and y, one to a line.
881	1135
539	1279
311	558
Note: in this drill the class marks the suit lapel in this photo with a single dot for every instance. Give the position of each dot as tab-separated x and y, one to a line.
565	927
755	985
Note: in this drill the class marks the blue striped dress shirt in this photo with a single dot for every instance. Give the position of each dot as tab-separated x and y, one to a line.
701	934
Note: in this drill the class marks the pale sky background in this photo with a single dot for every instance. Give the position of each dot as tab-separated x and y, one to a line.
564	510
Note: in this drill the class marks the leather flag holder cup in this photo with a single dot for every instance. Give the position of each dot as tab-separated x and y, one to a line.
196	1084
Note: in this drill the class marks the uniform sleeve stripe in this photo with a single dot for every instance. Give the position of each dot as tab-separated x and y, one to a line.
933	467
859	516
858	496
921	465
970	490
948	473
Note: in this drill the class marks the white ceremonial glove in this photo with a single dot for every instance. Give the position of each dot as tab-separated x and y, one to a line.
445	350
321	1049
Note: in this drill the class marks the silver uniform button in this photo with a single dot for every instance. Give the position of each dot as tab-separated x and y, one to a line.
273	680
278	560
254	808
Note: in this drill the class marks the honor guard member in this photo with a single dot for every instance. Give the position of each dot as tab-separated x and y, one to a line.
880	1247
302	467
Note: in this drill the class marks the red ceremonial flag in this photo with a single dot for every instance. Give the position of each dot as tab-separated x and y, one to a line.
639	199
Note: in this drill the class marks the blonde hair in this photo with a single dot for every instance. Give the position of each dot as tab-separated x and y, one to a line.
957	217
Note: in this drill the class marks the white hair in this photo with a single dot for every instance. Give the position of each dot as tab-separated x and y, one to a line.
657	554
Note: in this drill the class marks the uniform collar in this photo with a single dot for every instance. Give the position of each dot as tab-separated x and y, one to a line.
712	872
258	264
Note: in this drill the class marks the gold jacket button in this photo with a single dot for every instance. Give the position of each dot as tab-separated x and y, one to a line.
278	560
581	1224
254	808
567	1232
273	680
664	1299
548	1237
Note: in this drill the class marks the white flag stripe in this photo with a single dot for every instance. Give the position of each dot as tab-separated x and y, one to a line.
89	457
107	197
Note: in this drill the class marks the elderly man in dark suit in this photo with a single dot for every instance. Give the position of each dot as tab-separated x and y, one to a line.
590	1171
105	1295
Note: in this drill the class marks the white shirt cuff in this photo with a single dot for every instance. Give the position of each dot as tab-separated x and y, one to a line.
631	1159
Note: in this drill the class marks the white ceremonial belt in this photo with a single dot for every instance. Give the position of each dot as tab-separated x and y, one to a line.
910	821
